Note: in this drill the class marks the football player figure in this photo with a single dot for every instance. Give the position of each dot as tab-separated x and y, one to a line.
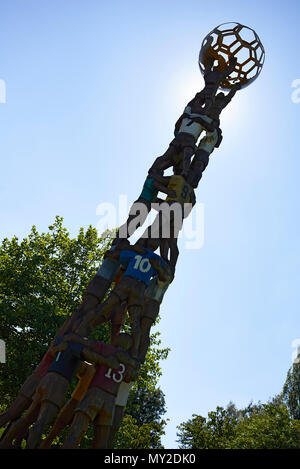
99	401
98	286
24	397
117	320
212	139
85	374
95	292
194	119
51	391
27	390
154	295
141	265
14	434
119	410
141	207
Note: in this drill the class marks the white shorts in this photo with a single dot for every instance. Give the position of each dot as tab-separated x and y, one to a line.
194	128
208	142
123	394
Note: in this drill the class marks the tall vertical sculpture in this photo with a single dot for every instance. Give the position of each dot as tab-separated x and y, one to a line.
231	57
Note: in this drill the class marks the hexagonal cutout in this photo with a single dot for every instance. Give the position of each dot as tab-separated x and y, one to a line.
228	39
243	55
226	27
247	34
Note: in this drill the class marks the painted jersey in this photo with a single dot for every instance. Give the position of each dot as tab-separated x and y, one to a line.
66	363
184	192
149	192
138	265
108	269
107	378
42	368
190	125
156	289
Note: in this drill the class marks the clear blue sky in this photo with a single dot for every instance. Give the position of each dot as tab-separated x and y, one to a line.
93	90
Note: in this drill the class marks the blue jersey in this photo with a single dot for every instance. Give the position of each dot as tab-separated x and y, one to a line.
149	192
66	363
138	265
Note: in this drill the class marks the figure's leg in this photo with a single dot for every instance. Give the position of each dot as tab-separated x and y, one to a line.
103	422
165	161
146	325
134	312
118	317
95	293
101	436
118	417
187	156
63	420
19	425
138	214
47	414
20	404
198	165
22	432
8	437
98	315
79	427
115	331
164	248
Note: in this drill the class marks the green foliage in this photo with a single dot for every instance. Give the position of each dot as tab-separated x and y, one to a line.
270	428
264	426
42	280
291	391
210	433
134	436
146	405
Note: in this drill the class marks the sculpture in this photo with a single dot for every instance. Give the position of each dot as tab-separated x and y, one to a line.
231	57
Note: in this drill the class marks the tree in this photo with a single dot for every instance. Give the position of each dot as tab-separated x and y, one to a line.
272	427
291	390
262	426
134	436
42	280
211	433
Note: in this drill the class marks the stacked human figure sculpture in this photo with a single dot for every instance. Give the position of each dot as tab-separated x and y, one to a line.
133	280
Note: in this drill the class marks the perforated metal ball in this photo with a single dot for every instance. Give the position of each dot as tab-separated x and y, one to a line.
234	39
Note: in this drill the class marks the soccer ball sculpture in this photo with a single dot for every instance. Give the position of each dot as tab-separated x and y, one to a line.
234	39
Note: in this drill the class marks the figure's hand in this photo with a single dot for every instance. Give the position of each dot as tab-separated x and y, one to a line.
184	173
59	348
111	362
138	249
112	254
132	374
232	60
71	337
237	86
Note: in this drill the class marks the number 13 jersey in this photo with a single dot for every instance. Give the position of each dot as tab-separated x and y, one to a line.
107	378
